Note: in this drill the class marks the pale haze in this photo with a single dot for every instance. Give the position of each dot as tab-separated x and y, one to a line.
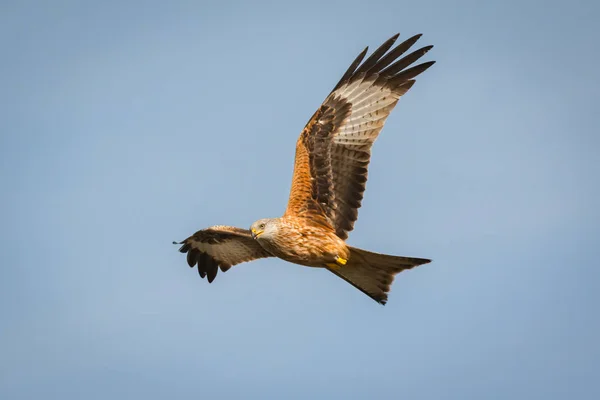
127	125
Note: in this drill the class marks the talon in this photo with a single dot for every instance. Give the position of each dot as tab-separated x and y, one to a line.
341	261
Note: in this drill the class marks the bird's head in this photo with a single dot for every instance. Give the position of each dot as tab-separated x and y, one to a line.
264	228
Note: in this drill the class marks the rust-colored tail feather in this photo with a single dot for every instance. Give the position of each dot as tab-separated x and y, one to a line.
373	273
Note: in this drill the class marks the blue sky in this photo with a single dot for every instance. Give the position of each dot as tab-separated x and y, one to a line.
126	125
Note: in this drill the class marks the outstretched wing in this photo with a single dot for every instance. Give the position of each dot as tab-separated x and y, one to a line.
334	149
220	246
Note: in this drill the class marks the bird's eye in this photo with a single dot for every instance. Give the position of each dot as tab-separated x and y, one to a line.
262	226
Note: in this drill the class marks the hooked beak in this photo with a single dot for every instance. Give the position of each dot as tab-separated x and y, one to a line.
256	233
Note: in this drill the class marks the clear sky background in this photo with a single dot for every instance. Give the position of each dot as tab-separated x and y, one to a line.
127	125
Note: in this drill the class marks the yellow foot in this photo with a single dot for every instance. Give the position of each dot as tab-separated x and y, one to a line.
339	261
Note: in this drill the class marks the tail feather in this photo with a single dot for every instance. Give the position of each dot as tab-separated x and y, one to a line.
373	273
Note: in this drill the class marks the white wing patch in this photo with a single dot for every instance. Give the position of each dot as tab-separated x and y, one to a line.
230	253
371	104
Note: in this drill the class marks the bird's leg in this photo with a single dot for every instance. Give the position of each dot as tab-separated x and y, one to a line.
339	262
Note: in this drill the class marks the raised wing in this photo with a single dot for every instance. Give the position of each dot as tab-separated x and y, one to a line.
220	246
334	149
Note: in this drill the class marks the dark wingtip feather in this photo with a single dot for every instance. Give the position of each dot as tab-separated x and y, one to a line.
411	73
184	248
426	49
352	67
225	267
376	55
207	267
192	257
395	53
212	270
404	62
387	63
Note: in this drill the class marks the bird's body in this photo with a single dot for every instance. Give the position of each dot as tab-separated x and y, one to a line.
329	180
300	241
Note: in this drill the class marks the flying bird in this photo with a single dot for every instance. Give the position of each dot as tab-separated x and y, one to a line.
329	178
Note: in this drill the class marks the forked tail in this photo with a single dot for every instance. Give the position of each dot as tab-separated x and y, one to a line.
373	273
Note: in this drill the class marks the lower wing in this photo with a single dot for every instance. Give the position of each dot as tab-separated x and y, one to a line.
220	246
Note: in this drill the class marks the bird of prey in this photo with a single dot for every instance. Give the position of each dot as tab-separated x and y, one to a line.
329	178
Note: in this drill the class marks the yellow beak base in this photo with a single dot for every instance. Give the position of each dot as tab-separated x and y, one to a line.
256	233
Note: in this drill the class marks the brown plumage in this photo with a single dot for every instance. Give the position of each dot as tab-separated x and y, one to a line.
330	174
220	246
